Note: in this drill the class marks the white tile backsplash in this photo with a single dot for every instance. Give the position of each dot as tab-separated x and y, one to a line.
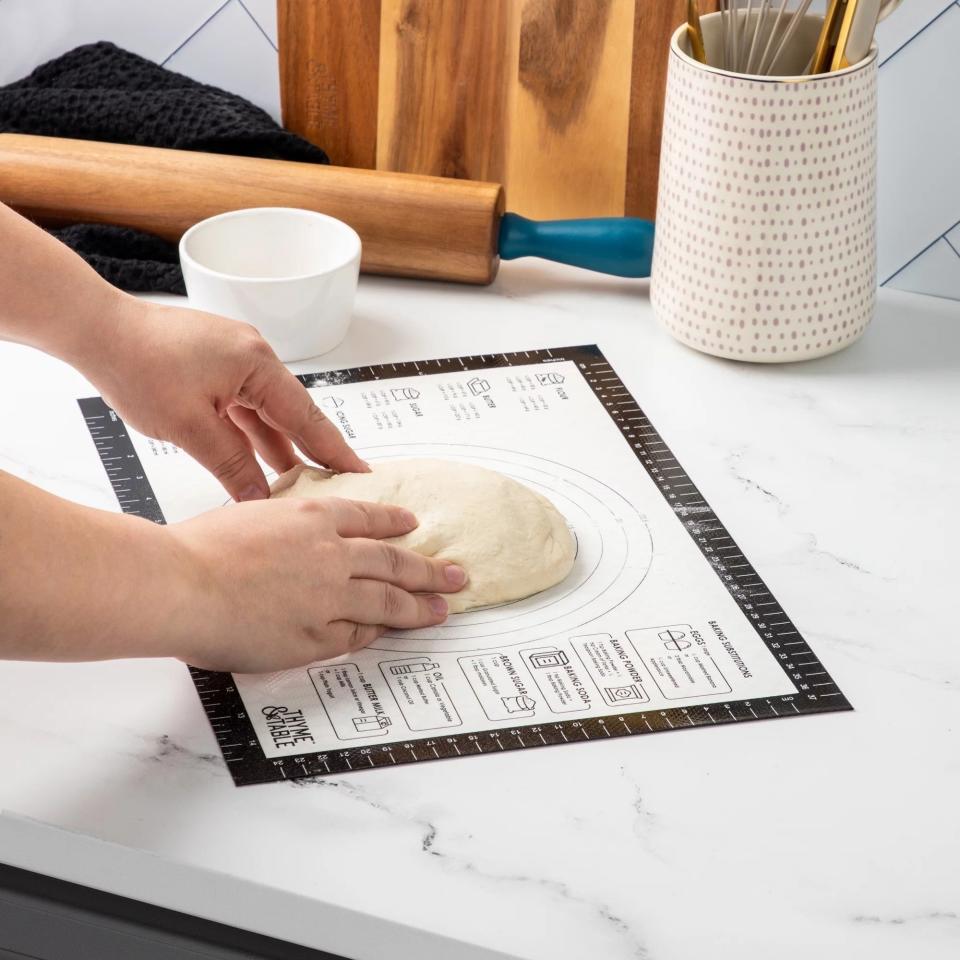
34	31
265	14
906	22
232	52
919	141
935	271
232	44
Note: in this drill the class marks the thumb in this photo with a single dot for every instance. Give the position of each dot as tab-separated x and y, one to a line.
226	452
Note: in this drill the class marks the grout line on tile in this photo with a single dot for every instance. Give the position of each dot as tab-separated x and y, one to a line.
887	59
935	240
215	13
256	23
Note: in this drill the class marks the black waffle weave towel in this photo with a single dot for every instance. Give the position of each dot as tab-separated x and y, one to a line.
100	92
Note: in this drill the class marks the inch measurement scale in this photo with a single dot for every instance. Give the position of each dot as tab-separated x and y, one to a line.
663	623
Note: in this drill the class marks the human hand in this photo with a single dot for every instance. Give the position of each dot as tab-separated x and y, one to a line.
214	388
287	582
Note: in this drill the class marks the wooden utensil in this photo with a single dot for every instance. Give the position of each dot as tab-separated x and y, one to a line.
410	225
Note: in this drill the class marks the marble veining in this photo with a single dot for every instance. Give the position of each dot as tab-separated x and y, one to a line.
899	921
166	750
786	839
431	844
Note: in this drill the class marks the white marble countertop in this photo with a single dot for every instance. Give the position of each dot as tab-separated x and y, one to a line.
823	834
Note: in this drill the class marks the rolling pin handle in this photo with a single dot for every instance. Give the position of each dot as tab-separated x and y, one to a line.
621	246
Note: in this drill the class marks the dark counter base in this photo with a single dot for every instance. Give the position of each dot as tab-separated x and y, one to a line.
46	919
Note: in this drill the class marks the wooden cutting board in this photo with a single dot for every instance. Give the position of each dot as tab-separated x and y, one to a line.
559	100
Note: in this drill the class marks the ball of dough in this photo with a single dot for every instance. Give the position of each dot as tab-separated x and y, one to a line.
511	541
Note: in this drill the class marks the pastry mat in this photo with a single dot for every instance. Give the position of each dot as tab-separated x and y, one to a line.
662	624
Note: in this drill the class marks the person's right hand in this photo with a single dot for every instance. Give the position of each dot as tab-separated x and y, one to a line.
280	583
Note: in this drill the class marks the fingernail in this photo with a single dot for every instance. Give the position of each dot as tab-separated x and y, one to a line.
253	492
438	606
408	518
456	576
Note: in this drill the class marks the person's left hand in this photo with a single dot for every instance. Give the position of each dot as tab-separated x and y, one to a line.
213	387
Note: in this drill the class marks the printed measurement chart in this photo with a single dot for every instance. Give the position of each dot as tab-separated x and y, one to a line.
662	623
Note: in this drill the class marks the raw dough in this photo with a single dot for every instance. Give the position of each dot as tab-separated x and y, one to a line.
511	541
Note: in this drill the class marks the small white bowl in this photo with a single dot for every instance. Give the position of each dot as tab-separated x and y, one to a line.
290	273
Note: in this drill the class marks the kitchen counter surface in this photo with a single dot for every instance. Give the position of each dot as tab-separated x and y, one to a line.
823	834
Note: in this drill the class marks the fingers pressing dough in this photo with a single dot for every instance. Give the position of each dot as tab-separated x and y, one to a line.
511	541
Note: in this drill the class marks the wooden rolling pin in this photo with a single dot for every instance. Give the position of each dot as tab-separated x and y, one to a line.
410	225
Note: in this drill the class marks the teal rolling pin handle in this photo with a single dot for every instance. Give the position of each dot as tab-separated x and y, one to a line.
622	246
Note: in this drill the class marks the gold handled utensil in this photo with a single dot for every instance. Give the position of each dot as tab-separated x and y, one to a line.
695	33
856	32
827	40
847	32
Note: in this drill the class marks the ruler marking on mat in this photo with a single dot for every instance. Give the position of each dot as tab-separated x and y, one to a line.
225	708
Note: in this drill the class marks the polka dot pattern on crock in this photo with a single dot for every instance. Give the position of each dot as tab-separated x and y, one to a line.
766	214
